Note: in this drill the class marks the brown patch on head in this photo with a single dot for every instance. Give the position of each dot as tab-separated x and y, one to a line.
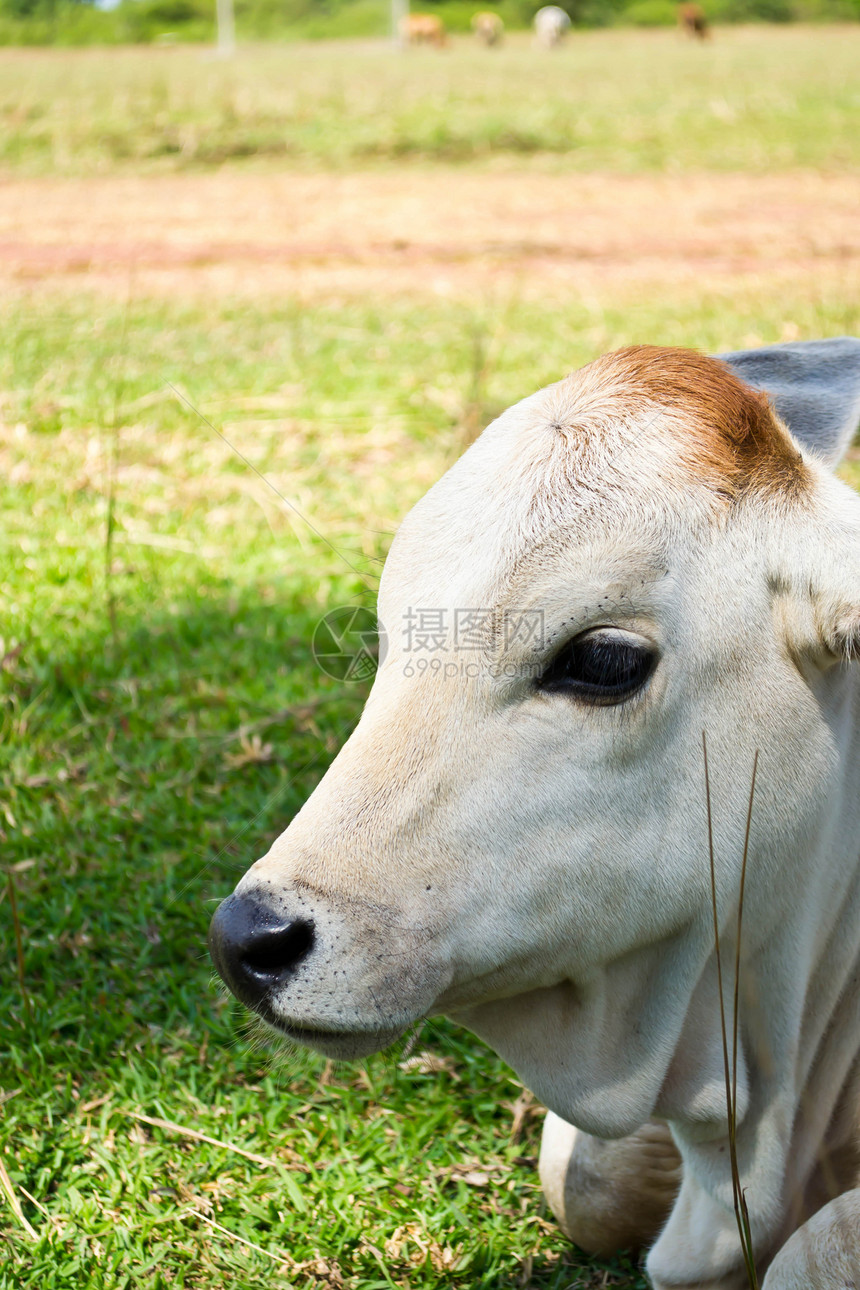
730	438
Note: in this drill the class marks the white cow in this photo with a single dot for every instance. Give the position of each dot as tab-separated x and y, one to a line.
551	23
516	833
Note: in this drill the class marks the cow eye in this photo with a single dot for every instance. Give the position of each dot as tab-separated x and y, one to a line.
603	666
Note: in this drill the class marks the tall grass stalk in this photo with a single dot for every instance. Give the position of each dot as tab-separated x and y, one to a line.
113	462
19	947
731	1064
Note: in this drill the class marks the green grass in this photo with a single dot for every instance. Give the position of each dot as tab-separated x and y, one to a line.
751	99
161	719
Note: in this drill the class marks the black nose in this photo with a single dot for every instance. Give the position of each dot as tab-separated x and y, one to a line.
255	949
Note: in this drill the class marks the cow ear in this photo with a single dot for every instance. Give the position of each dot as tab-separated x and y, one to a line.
819	565
840	619
814	386
846	634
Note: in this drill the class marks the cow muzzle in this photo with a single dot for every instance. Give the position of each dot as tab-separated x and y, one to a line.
346	981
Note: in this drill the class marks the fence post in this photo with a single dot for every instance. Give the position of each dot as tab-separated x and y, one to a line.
226	28
399	14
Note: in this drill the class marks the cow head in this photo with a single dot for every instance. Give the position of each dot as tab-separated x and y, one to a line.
515	835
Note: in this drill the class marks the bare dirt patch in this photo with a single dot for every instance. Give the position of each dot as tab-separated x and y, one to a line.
441	231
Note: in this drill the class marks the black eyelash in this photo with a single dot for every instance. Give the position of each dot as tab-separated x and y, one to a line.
599	668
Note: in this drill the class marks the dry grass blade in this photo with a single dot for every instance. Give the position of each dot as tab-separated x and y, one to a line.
299	712
170	1126
283	1259
55	1222
6	1185
730	1066
112	470
741	1210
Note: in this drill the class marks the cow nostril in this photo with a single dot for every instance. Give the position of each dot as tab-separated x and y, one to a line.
271	951
256	949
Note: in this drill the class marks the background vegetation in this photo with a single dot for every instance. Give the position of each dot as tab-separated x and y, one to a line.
71	22
627	102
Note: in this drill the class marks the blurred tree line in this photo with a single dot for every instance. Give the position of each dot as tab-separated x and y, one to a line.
85	21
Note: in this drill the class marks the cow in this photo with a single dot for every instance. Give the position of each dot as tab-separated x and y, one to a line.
642	683
423	29
550	24
488	28
693	21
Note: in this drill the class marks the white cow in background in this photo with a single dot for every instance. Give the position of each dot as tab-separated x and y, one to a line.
551	23
516	835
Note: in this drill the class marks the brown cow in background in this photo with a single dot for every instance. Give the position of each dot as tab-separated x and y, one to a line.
488	28
423	29
692	20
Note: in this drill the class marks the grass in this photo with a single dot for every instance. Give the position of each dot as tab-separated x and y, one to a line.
751	99
143	767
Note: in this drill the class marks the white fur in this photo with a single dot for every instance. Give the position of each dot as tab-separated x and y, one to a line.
824	1253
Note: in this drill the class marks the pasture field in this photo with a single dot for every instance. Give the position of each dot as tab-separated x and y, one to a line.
169	330
752	99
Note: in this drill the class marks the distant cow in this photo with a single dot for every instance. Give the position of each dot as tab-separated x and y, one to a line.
489	28
423	29
692	21
550	25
